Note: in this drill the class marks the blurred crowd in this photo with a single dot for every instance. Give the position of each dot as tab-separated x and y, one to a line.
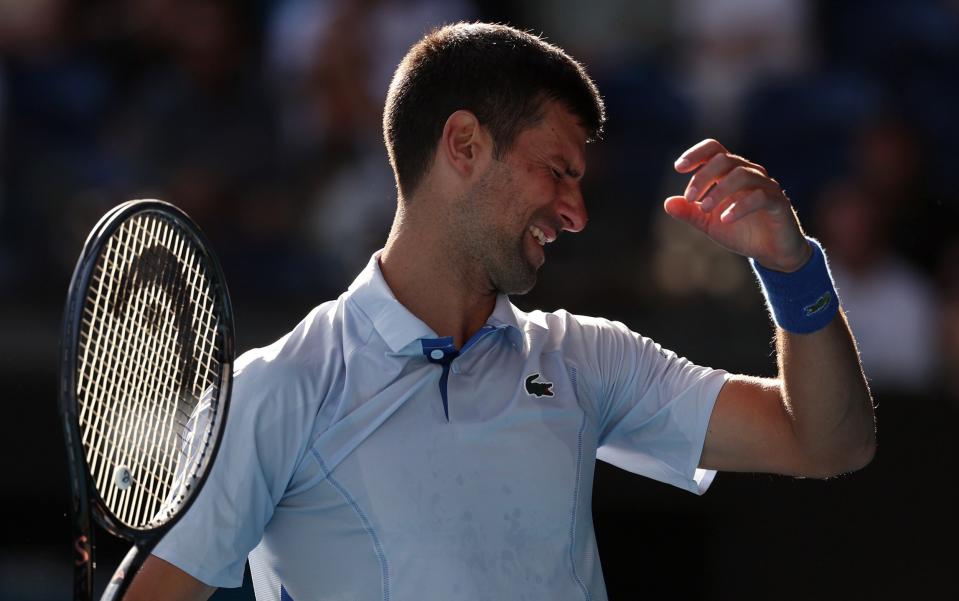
262	120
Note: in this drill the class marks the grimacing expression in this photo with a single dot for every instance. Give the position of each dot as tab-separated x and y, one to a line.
525	199
491	238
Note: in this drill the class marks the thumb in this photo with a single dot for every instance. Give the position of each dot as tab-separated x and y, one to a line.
683	210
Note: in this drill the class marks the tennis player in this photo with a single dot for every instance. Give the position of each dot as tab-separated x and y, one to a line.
422	438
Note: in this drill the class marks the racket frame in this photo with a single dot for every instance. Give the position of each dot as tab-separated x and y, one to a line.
86	500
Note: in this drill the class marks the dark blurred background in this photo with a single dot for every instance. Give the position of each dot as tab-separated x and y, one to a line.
262	120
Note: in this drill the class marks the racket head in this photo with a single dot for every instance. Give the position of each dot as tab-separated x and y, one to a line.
145	369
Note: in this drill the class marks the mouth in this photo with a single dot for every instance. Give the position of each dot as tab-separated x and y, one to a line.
542	238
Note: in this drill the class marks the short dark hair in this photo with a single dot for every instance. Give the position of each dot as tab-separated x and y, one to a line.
501	74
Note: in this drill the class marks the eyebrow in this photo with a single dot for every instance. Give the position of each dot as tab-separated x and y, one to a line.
573	173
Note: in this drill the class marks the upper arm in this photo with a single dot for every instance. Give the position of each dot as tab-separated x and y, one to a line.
159	579
265	433
750	430
650	406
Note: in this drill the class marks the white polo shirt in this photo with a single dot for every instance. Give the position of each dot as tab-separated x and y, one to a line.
365	459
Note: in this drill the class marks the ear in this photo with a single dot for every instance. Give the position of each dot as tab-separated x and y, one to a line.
465	145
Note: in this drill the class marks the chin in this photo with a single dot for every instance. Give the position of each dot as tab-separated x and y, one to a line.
520	291
514	272
517	281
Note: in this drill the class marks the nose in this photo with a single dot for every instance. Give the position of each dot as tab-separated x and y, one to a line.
572	208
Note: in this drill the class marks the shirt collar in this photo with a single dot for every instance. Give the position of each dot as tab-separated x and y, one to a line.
399	328
392	321
507	315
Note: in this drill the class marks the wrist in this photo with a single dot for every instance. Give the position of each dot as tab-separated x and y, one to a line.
804	300
795	262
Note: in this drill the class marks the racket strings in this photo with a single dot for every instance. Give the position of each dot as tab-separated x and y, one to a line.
147	354
156	438
122	379
131	387
173	374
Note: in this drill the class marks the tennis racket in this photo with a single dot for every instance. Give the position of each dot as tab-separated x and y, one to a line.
146	366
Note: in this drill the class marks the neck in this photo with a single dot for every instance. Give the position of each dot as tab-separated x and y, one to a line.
426	273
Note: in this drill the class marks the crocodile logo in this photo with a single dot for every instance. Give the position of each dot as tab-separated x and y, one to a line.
821	303
539	389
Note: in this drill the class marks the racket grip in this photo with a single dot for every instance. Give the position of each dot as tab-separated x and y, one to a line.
123	576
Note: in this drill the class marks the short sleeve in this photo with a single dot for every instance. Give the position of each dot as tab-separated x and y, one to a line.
652	406
260	448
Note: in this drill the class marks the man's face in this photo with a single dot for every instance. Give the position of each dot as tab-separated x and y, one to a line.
526	199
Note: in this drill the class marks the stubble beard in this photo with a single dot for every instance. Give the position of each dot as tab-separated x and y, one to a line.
499	250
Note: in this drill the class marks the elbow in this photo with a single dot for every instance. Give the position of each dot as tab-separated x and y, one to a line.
852	446
862	449
861	457
844	461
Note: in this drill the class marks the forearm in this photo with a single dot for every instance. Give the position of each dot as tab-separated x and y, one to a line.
827	397
817	419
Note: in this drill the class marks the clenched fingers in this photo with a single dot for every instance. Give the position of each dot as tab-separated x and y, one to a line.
718	167
739	179
750	203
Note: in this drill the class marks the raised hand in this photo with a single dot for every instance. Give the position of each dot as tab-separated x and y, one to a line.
737	204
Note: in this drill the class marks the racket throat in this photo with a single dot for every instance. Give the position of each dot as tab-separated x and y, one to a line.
123	576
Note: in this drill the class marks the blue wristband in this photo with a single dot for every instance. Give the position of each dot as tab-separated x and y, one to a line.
802	301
